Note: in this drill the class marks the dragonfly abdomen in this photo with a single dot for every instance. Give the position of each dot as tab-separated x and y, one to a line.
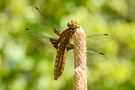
59	62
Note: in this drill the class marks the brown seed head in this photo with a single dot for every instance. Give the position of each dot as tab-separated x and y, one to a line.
72	24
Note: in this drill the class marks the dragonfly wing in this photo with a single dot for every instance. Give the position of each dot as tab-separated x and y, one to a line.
94	44
99	40
96	57
43	20
37	40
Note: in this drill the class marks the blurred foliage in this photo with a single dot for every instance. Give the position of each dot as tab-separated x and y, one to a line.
26	64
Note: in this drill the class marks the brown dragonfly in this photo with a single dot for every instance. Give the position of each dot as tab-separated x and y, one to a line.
62	44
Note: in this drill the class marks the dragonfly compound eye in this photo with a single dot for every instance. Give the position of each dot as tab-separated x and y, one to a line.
72	24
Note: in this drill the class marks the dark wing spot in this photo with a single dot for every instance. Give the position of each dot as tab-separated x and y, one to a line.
101	53
27	29
106	34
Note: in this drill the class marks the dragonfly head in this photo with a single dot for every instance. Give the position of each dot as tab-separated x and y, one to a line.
72	24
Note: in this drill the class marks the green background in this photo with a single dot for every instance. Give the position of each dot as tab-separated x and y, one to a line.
27	63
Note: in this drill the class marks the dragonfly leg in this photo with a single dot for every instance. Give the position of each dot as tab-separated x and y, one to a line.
54	42
57	31
70	46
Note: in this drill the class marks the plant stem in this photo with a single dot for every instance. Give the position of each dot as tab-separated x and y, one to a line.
80	73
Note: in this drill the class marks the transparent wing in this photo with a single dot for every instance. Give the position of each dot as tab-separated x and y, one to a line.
94	44
44	23
40	33
95	57
37	40
99	40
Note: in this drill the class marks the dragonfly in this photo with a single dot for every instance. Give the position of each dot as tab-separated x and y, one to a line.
62	44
